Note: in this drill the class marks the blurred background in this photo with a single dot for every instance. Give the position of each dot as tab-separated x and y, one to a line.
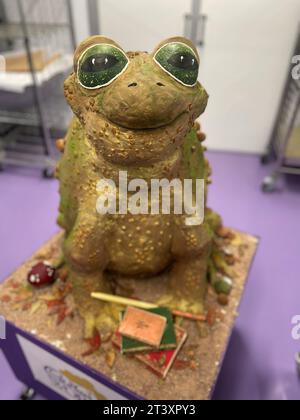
249	51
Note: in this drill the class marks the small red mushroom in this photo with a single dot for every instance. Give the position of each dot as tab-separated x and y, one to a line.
42	274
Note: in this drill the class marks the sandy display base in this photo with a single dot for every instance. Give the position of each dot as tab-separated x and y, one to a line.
195	372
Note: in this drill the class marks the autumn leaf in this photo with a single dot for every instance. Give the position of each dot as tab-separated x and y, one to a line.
181	364
62	314
26	306
63	275
212	316
35	307
54	303
5	298
110	358
14	285
48	297
94	344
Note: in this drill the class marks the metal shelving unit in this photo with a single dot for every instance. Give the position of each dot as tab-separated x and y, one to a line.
56	115
31	119
15	31
195	24
288	116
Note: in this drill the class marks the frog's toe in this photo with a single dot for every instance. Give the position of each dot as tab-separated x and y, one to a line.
105	319
109	316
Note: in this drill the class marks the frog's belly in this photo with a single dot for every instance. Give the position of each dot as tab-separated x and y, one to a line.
140	245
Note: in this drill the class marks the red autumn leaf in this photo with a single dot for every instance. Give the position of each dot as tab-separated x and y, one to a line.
27	306
55	302
211	316
94	343
5	299
63	275
62	314
66	289
21	298
181	364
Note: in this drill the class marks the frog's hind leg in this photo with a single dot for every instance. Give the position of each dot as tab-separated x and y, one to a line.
189	283
192	248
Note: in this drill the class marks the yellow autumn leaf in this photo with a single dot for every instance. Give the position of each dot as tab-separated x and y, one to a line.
110	358
35	307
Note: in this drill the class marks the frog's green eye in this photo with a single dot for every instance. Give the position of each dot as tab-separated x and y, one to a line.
100	65
180	61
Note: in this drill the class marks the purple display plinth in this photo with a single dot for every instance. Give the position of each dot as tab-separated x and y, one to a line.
54	374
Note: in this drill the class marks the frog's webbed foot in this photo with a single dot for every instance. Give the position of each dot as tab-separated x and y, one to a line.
188	277
105	319
96	314
187	286
177	303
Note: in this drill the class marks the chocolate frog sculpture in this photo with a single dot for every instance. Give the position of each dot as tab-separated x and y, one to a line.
134	112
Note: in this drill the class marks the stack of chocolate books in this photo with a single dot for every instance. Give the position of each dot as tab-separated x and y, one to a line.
151	336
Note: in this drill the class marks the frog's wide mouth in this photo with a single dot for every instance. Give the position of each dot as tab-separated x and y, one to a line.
149	128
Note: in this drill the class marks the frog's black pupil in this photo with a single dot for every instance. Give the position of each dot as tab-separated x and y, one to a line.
184	61
99	62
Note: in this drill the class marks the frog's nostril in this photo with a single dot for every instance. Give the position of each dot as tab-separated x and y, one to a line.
160	84
133	85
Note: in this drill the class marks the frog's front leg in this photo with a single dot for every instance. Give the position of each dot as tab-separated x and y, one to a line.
84	247
87	259
188	279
